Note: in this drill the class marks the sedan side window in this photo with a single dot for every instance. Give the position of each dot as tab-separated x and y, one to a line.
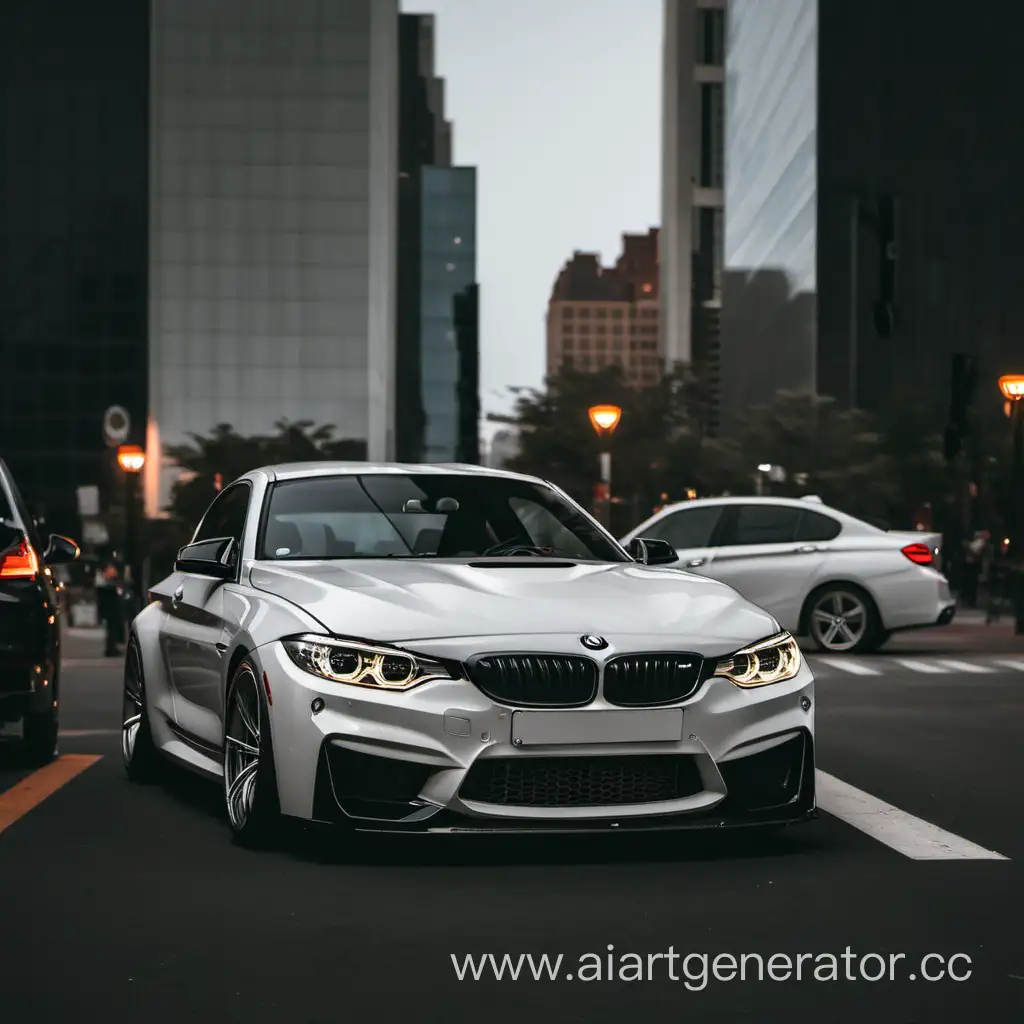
226	516
817	527
689	528
764	524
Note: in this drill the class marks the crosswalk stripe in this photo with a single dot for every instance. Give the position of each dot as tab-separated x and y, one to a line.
1018	665
900	831
964	666
853	667
918	666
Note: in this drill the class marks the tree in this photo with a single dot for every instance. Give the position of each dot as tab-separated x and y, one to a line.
661	446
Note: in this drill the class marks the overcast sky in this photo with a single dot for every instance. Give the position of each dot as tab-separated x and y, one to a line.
557	103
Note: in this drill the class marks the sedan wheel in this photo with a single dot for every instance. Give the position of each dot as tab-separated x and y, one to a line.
250	785
842	621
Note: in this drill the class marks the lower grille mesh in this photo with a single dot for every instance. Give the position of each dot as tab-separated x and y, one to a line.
581	781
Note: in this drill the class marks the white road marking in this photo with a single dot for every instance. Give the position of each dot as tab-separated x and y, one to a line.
846	665
1018	665
900	831
964	666
919	666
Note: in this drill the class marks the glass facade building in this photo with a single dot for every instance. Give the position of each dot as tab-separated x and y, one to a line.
871	188
197	222
73	242
770	277
447	305
438	406
274	138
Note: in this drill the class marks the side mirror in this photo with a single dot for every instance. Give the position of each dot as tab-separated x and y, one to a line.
61	550
649	551
217	558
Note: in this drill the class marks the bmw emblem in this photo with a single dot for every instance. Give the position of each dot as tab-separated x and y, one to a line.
593	643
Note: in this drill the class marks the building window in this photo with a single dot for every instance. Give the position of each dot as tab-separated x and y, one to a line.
567	312
711	37
710	170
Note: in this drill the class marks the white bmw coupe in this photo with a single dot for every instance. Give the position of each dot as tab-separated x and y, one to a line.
447	649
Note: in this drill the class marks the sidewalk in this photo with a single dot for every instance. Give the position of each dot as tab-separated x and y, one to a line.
968	633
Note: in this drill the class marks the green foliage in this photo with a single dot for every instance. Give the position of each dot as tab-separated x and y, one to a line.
664	445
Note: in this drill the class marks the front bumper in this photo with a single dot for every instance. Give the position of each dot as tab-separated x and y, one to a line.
441	758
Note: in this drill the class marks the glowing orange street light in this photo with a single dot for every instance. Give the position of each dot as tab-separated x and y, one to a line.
1012	386
604	418
131	458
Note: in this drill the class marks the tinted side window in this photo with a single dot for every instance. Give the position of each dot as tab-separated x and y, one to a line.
23	513
764	524
226	516
690	528
814	527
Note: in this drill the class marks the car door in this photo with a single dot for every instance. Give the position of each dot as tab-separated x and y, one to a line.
767	553
194	635
692	532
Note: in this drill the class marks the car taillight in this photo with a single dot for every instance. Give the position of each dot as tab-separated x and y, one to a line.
21	563
919	553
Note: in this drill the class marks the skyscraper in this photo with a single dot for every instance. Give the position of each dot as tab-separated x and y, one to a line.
872	200
437	412
197	222
692	181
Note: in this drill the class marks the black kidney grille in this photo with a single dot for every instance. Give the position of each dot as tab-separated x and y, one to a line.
635	680
536	680
581	781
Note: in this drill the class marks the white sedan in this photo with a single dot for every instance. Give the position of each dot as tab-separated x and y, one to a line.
846	584
446	648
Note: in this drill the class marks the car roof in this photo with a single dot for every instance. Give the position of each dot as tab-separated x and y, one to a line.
301	470
811	502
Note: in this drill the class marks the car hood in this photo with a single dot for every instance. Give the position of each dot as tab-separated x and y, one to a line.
404	600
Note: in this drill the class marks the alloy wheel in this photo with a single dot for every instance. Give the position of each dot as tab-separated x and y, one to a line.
839	620
242	748
132	705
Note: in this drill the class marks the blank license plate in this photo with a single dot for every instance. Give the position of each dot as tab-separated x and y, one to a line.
551	728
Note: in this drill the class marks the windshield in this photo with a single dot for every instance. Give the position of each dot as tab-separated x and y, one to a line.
426	516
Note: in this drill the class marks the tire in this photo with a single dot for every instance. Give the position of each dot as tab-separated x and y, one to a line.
39	736
141	758
251	799
841	618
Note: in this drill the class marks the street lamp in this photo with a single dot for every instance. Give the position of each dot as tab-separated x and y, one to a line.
604	419
1012	387
132	460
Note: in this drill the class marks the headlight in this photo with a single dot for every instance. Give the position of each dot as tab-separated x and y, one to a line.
381	668
770	661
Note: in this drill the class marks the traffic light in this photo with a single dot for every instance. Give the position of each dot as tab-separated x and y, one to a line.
961	391
962	383
951	443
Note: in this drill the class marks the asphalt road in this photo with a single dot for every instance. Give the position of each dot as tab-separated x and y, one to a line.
124	903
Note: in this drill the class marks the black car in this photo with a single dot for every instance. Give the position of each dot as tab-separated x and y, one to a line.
30	623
